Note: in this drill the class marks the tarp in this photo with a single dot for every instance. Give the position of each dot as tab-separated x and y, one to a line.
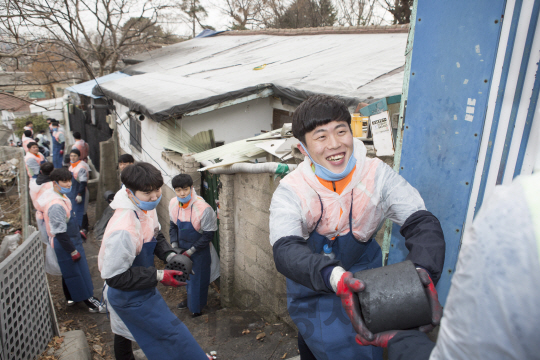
85	88
194	74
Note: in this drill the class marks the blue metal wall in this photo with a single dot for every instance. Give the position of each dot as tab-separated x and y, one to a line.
454	51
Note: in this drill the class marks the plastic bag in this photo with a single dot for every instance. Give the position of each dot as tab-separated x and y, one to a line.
9	244
51	262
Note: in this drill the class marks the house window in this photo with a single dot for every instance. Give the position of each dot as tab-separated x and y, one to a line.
135	136
37	95
280	117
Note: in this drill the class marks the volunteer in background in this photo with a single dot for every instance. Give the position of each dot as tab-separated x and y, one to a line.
33	160
126	262
492	308
79	195
323	217
59	142
26	139
193	223
41	184
81	145
43	143
29	126
123	161
65	239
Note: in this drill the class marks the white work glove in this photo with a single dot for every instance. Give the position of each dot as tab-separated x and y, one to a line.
78	199
174	245
335	277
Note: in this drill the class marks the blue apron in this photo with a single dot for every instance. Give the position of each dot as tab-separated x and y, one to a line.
78	208
159	333
57	158
320	317
40	163
197	285
76	274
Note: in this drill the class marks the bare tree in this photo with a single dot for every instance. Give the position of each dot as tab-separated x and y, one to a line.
90	32
244	13
356	12
400	9
193	13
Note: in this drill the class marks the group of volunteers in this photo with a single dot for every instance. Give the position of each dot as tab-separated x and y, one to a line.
126	257
323	219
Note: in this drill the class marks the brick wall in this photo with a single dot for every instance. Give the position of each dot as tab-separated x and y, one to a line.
249	278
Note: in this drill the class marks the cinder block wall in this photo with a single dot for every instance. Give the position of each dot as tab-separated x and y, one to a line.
249	278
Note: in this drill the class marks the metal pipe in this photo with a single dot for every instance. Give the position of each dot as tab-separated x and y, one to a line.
262	168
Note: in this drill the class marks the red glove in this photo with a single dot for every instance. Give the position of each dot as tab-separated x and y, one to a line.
75	256
382	339
346	288
61	152
169	280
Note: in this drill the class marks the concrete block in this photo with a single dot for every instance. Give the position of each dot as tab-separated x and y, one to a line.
74	347
265	259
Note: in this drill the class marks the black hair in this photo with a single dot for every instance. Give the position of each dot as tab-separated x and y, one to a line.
75	151
126	158
55	123
28	133
61	174
77	135
51	119
318	110
29	122
42	131
182	181
141	176
32	143
46	168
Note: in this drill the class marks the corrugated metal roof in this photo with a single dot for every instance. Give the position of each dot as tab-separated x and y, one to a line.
85	88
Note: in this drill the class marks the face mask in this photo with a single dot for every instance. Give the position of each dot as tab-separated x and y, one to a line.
328	175
64	190
146	205
185	199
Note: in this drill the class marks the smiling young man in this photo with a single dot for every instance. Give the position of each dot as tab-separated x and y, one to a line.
323	218
33	160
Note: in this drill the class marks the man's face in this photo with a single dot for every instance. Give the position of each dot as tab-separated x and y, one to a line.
65	184
73	157
182	192
330	145
34	149
145	195
122	166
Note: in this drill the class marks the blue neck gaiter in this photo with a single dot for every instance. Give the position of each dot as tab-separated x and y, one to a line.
146	205
64	190
328	175
185	199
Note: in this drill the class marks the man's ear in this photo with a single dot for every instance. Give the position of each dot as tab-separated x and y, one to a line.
302	149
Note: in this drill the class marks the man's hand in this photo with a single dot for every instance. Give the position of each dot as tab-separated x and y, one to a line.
78	199
346	289
75	256
167	278
435	305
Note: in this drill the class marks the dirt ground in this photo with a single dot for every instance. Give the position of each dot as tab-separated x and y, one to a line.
232	333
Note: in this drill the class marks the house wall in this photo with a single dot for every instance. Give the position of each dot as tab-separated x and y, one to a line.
233	123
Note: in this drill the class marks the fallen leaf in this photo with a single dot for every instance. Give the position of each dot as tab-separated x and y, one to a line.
97	348
67	322
93	326
284	356
260	336
271	332
246	332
